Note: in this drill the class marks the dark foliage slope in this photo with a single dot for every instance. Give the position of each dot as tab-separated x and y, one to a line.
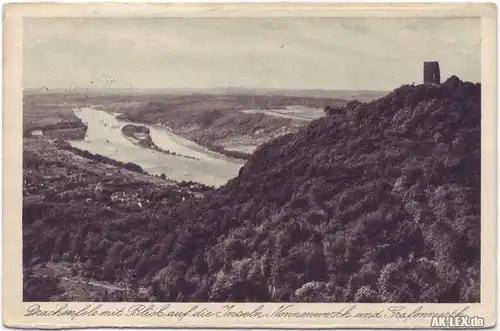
377	204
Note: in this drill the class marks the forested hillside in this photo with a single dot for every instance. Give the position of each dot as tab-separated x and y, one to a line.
380	203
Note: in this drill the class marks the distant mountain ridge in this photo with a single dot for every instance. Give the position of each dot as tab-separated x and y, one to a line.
361	95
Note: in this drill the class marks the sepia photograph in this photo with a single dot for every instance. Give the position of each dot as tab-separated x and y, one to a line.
252	159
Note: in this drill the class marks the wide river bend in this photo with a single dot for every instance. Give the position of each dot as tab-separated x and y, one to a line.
104	137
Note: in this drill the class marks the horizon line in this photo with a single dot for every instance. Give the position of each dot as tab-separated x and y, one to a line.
43	88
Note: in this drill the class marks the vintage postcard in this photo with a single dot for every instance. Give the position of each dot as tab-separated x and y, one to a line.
249	165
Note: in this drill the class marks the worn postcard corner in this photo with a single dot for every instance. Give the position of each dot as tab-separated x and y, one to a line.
249	165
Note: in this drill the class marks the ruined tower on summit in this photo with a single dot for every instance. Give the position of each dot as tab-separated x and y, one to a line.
431	72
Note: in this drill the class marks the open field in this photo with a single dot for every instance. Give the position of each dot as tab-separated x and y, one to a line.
52	115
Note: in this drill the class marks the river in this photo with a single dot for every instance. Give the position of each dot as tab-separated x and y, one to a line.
104	137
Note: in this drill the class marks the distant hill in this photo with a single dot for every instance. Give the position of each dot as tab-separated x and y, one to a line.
361	95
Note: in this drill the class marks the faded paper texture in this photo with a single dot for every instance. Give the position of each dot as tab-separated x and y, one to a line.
249	165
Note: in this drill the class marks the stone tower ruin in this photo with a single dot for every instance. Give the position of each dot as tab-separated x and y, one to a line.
431	72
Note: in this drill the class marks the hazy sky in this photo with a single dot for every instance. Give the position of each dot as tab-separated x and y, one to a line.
294	53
